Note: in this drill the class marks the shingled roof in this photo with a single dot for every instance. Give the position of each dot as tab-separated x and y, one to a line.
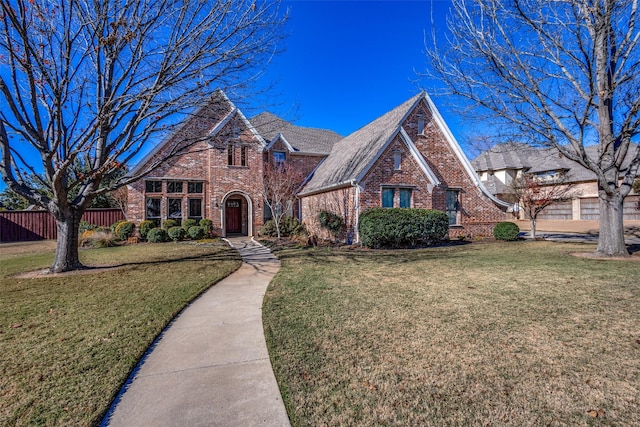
351	156
534	160
301	139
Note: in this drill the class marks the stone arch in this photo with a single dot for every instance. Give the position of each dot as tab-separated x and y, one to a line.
246	213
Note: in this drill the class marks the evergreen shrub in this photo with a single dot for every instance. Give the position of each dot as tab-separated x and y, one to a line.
145	227
196	232
402	227
506	231
124	230
176	233
168	223
157	235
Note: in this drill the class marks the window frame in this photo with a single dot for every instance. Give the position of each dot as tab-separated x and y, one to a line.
243	155
197	184
170	214
405	190
174	187
189	212
152	182
393	197
277	162
156	219
456	206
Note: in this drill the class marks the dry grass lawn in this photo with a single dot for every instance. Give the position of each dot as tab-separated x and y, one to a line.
483	334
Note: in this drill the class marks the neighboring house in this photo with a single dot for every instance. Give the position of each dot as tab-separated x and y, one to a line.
406	158
500	165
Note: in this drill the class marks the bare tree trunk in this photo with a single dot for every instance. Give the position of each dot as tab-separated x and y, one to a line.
67	258
611	239
533	227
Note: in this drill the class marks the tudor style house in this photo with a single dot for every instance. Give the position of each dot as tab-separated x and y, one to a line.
406	158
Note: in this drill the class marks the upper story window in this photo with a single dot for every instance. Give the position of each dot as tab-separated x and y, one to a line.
236	132
397	160
420	125
243	156
279	158
174	186
153	186
194	187
230	155
389	197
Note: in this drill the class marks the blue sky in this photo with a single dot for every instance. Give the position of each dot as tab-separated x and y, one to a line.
347	62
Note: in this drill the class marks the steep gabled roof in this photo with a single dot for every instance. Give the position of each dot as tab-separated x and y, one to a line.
204	123
351	156
298	139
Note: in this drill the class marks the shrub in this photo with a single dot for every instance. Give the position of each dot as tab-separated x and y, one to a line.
401	227
115	225
103	230
188	223
157	235
207	226
98	239
196	232
124	230
85	226
168	223
289	226
332	222
145	227
506	231
176	233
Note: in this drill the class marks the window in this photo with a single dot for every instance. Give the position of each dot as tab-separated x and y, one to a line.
453	206
174	187
243	156
194	187
153	211
175	209
153	186
405	197
388	194
279	158
420	125
230	155
195	209
397	160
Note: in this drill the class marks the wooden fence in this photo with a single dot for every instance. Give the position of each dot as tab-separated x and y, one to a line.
22	226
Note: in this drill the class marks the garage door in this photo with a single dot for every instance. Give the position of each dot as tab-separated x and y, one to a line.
589	208
557	211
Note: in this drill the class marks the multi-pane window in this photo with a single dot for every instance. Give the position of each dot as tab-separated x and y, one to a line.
174	209
389	197
153	186
174	187
194	187
397	160
152	211
453	206
420	125
230	155
279	158
195	209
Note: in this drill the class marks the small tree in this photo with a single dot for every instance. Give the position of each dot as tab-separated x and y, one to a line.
534	194
279	187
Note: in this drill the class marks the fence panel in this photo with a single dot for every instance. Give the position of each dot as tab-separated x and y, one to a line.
23	226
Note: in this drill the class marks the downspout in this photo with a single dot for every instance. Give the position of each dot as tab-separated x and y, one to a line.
354	183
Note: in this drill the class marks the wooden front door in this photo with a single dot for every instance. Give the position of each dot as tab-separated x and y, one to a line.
233	215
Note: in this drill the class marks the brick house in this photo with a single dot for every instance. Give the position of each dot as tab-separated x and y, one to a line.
217	169
408	157
405	158
500	165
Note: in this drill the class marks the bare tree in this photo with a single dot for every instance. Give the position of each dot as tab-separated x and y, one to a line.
534	194
279	187
100	80
557	73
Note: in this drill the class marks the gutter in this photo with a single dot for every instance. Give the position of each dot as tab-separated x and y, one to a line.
337	186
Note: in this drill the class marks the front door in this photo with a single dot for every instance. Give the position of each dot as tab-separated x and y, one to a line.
233	216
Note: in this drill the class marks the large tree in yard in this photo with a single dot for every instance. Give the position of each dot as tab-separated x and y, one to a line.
556	73
95	82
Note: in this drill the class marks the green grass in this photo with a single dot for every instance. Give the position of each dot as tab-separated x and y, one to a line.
68	343
484	334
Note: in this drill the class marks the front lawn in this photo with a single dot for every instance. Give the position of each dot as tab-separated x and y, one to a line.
68	343
484	334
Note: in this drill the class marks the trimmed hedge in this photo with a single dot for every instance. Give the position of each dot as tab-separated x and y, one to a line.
168	223
157	235
145	227
196	232
402	227
506	231
124	230
188	223
176	233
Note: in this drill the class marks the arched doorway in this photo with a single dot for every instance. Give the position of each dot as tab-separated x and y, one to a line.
237	214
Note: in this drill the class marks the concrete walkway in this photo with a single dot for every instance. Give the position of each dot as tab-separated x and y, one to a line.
210	367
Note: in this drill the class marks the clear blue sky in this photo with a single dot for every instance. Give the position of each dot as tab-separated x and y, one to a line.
347	62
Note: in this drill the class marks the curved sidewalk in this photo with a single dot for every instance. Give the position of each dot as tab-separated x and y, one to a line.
210	367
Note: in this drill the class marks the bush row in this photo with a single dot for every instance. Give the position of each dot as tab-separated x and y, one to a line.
289	226
92	235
